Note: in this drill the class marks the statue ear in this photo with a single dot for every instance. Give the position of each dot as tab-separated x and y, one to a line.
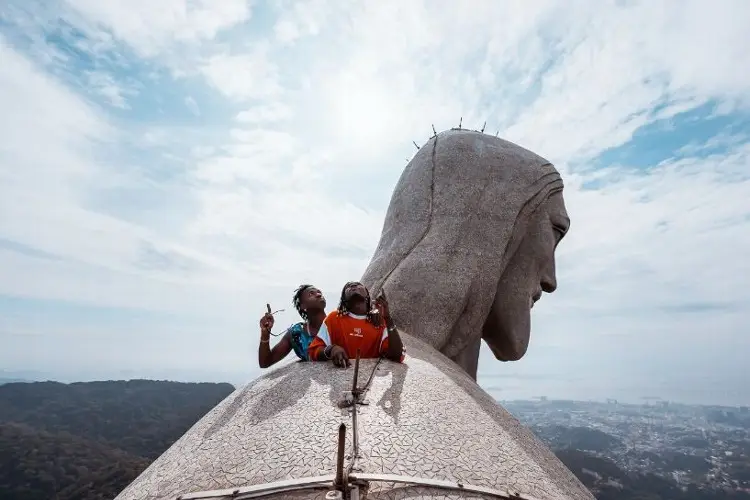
428	296
466	331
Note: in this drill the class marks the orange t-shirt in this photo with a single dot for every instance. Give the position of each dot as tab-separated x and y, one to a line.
351	332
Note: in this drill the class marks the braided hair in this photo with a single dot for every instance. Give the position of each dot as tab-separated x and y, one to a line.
297	300
342	309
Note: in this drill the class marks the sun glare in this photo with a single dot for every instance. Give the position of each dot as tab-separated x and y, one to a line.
361	109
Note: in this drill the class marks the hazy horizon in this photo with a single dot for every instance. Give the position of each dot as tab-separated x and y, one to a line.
501	387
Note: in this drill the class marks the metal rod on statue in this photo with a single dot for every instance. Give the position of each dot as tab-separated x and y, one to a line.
339	481
355	391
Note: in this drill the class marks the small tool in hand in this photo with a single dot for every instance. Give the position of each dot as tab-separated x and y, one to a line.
276	311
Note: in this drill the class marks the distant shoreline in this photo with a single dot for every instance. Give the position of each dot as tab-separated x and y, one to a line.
613	403
649	401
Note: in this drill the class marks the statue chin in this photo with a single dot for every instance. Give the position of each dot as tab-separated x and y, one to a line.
507	335
512	353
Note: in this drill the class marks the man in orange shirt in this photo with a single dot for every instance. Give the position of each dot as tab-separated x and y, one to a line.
355	326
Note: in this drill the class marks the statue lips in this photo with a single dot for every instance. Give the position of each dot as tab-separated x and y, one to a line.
535	298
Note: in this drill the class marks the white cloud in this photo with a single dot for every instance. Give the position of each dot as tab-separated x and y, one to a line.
49	141
301	19
305	124
192	106
265	113
44	125
104	85
720	141
245	76
606	84
153	27
677	227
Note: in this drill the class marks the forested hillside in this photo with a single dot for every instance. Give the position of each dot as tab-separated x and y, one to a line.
87	441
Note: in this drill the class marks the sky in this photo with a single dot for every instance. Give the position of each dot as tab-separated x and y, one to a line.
168	168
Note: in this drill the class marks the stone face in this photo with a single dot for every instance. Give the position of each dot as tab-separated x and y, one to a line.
467	247
468	243
424	418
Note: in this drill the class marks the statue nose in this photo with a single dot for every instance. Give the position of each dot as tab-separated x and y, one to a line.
549	284
548	279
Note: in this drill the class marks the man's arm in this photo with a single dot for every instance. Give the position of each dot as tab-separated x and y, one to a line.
392	347
322	349
316	349
266	355
269	357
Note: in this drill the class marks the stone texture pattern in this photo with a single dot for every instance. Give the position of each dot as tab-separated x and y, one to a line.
424	418
398	492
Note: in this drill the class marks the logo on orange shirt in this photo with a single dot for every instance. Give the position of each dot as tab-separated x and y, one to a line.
357	332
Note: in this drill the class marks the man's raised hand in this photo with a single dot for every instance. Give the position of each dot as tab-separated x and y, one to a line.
266	322
382	304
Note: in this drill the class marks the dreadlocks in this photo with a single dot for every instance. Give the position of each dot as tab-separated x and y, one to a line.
342	309
297	300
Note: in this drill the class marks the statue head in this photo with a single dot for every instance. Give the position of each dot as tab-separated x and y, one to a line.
468	244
